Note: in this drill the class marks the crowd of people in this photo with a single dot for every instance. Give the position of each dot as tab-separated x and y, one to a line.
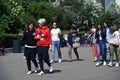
41	41
106	39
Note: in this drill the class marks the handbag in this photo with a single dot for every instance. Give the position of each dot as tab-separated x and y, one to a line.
76	45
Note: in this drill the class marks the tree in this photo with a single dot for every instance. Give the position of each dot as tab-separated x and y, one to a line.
86	12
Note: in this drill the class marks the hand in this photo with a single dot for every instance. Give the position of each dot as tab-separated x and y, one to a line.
99	31
38	37
50	49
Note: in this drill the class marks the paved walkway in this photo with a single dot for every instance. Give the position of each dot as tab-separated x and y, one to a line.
13	67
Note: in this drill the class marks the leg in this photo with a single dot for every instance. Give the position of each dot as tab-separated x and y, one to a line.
33	57
28	58
104	51
76	53
53	51
46	55
95	50
116	54
69	52
111	52
98	51
40	58
58	49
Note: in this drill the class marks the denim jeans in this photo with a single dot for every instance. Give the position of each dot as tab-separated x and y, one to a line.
101	46
55	44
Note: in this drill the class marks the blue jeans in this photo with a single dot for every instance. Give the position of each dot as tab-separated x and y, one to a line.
101	46
55	44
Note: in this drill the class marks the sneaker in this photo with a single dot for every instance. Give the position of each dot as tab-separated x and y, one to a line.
37	61
95	59
50	69
98	63
117	64
29	72
59	60
51	61
41	73
110	64
24	57
104	63
36	70
77	59
69	60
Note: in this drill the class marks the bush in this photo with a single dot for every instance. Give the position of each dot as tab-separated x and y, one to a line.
7	39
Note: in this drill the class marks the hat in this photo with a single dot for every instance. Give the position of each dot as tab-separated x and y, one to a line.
42	21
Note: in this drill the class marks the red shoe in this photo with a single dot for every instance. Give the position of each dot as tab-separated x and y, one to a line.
69	60
78	60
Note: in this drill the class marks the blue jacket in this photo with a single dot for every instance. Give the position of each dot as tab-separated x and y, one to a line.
70	38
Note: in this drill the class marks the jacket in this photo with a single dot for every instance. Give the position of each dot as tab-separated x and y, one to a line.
103	35
70	38
45	36
28	37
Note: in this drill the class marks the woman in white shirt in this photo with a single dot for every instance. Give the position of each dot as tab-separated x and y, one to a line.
113	48
55	33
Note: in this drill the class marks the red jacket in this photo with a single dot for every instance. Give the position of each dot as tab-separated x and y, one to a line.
45	36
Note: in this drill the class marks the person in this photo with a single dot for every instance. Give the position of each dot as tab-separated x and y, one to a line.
44	44
106	30
100	36
71	39
85	39
2	51
55	34
82	40
30	47
114	44
93	30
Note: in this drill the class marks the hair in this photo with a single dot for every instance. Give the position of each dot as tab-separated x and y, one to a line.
27	26
106	22
112	29
42	21
100	25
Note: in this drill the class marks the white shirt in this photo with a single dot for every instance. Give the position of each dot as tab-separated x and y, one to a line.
55	34
115	37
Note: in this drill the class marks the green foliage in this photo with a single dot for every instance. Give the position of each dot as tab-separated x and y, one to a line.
15	14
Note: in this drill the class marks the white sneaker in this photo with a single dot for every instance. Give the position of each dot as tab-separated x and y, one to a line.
41	73
59	60
36	70
51	61
98	63
117	64
24	57
104	63
110	64
50	69
29	72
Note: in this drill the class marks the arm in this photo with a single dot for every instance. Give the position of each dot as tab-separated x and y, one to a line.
36	36
50	40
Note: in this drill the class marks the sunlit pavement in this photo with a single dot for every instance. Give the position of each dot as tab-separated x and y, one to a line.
13	67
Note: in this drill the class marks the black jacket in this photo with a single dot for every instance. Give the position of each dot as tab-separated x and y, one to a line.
103	35
28	37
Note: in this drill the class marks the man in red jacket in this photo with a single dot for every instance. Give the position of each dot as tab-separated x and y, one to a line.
43	37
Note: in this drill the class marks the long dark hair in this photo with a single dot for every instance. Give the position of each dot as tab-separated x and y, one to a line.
27	26
99	28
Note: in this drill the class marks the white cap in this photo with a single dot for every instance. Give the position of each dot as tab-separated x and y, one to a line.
42	21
